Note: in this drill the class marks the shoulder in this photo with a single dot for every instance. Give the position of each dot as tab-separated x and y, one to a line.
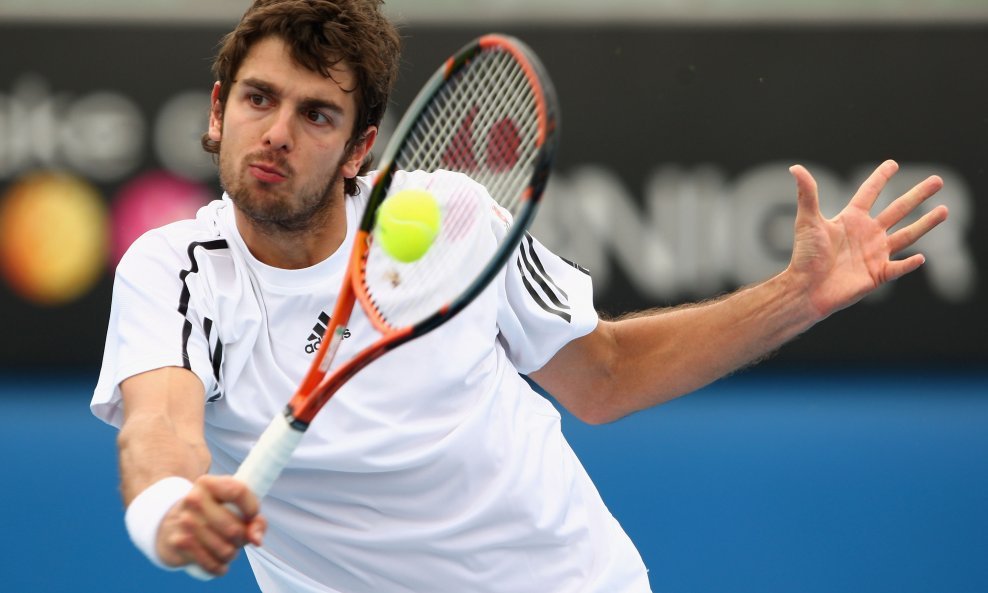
175	244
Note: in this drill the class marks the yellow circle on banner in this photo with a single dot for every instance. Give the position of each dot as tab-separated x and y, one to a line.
53	237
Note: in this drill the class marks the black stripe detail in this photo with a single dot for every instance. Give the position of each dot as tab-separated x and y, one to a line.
183	300
538	298
540	276
207	328
575	265
538	263
218	356
215	357
186	334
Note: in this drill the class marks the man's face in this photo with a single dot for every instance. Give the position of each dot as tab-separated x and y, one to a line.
283	133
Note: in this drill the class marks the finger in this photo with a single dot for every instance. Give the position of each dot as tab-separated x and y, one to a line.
867	194
907	202
214	552
807	198
256	530
907	236
220	529
226	522
194	543
896	269
227	489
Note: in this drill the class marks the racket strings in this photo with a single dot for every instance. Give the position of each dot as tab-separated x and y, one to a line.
484	123
484	127
405	293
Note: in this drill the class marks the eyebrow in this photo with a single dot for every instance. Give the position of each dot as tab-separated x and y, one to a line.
306	102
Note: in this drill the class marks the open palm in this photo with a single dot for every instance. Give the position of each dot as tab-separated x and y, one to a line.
846	257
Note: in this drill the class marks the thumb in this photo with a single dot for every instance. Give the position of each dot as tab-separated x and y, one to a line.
807	198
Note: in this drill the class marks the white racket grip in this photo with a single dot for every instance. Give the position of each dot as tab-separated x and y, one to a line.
269	456
196	571
261	467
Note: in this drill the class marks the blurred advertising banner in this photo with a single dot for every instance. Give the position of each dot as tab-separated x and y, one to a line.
672	183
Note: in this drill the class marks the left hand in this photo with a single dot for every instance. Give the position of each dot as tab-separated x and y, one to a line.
842	259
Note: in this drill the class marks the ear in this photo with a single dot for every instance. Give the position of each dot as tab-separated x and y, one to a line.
215	115
358	151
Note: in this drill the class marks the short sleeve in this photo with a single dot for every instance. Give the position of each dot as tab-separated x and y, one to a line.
151	323
546	303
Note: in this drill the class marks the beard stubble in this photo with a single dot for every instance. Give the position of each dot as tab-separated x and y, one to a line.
279	208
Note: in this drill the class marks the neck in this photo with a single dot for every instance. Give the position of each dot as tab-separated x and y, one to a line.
295	248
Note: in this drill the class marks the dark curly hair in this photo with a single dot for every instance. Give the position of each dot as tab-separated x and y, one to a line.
321	34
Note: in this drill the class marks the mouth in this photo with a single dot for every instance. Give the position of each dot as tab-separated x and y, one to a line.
267	173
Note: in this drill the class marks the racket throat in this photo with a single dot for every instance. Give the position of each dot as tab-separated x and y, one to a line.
295	423
335	339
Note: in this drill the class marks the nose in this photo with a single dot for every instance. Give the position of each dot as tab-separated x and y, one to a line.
280	135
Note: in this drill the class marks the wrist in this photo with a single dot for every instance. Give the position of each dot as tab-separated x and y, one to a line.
146	511
798	289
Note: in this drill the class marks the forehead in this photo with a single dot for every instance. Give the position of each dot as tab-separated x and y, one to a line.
270	60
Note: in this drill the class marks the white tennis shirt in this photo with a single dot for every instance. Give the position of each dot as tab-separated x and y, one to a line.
437	468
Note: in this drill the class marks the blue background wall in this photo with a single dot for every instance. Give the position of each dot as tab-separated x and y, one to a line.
768	481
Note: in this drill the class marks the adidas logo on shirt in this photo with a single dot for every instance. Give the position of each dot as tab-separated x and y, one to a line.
318	332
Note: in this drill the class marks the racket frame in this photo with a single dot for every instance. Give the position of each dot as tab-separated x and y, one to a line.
319	387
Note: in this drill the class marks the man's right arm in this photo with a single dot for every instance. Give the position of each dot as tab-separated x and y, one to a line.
162	438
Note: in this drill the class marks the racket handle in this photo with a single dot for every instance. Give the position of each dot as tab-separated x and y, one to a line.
269	456
261	468
198	572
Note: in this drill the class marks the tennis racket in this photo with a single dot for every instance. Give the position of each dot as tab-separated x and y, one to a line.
480	137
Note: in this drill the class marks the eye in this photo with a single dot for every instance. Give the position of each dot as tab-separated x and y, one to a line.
317	117
258	100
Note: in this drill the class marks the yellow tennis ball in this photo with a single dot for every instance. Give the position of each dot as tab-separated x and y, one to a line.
407	224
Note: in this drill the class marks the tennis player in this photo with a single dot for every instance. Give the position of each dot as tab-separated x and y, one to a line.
438	468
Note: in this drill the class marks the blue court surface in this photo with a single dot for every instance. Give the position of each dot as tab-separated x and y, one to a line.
765	482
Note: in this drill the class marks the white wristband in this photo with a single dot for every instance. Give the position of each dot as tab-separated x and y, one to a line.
144	515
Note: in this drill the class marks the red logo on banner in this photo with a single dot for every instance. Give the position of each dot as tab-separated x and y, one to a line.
501	151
